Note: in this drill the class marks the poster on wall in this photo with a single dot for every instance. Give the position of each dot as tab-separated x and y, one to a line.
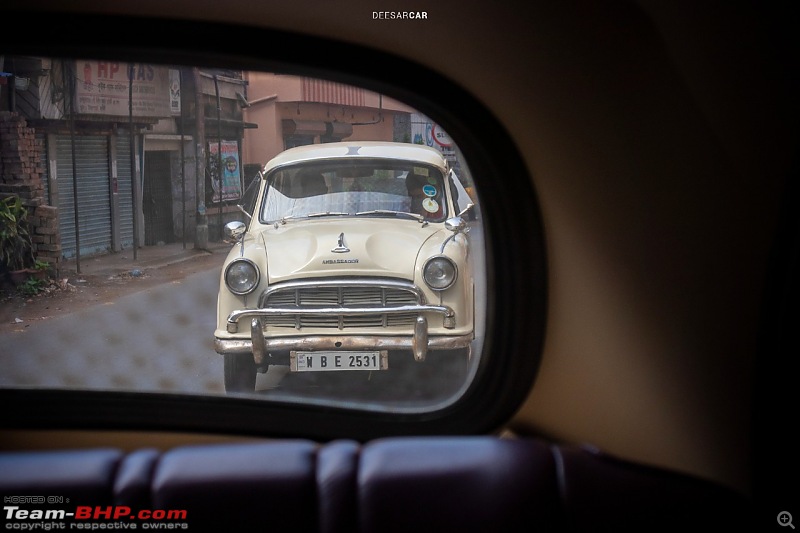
230	186
175	91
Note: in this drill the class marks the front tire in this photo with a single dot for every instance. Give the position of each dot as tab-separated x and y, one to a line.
240	373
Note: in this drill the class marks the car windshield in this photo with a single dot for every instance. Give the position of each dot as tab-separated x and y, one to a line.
345	187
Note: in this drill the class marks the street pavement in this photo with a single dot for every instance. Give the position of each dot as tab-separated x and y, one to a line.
158	339
143	258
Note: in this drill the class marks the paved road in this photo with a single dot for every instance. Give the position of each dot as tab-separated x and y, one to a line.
160	339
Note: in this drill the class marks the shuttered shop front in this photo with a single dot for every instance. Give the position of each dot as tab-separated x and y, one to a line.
94	198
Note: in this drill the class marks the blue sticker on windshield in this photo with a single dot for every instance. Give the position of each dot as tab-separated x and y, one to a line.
429	190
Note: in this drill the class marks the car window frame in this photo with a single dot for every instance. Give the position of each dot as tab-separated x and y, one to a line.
516	271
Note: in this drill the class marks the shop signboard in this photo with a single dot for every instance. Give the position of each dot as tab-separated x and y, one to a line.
104	88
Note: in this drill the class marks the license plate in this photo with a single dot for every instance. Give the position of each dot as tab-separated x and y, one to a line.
330	361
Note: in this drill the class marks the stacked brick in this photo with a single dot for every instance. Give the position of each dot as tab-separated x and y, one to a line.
21	174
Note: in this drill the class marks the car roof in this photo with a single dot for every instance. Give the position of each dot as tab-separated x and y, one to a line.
359	149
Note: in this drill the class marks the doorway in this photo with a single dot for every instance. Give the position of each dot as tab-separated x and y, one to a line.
157	198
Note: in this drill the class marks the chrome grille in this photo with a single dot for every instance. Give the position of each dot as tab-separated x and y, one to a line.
361	294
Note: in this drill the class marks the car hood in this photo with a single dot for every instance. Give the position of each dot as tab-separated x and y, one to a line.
370	246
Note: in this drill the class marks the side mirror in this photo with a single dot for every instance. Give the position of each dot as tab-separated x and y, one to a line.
455	224
235	230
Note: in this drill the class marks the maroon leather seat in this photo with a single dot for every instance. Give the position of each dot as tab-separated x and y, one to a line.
395	484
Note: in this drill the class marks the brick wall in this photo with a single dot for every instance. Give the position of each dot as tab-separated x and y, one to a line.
21	174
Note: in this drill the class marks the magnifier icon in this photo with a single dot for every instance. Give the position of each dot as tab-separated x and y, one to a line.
785	519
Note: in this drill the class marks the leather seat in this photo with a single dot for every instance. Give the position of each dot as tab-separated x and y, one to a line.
395	484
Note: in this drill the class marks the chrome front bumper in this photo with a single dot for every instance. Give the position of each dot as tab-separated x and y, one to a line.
448	315
419	343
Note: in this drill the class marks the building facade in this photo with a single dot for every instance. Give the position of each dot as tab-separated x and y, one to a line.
120	146
297	110
127	155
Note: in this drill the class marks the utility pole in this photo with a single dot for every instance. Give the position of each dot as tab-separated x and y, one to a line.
201	231
220	172
134	180
183	159
69	96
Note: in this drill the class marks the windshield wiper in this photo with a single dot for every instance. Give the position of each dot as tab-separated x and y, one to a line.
325	214
420	218
287	217
328	214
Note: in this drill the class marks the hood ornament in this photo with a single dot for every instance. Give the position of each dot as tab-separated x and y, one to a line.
342	247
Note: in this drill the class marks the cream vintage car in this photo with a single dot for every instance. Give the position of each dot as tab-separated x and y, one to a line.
353	257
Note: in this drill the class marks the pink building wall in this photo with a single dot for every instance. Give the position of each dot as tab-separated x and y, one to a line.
274	98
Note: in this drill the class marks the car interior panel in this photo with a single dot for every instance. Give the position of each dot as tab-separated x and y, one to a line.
503	267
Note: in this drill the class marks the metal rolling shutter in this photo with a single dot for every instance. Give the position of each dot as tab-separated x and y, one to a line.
124	189
94	202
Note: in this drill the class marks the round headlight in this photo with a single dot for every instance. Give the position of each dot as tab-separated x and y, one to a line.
241	276
439	273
